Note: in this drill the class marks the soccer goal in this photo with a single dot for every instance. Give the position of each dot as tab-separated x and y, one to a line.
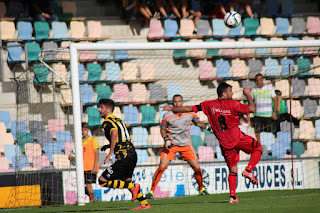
63	88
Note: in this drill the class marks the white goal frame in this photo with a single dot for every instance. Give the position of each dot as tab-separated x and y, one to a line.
74	60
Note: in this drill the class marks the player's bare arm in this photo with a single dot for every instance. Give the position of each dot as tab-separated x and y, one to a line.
96	162
204	126
180	109
276	103
247	93
114	136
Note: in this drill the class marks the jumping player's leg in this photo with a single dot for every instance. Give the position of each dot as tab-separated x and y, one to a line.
198	175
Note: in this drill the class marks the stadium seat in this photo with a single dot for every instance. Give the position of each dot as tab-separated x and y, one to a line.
139	93
50	51
146	71
77	29
285	127
272	7
18	126
121	92
313	149
205	153
317	127
236	31
87	55
65	54
173	89
203	27
86	93
40	73
298	25
196	52
179	53
18	163
272	67
129	71
296	109
293	50
283	86
239	68
41	29
156	92
186	27
61	161
7	30
298	149
255	66
43	137
287	7
40	162
69	147
219	153
251	25
245	51
282	25
316	66
24	29
306	130
120	54
247	83
63	136
103	92
66	95
31	150
155	28
170	28
131	114
309	50
148	114
284	138
113	71
228	52
142	156
59	29
218	27
261	50
210	140
23	138
81	72
104	54
267	26
223	68
212	51
94	71
310	107
94	29
285	66
195	130
93	117
35	126
277	51
313	24
139	136
238	92
5	139
298	87
33	51
11	150
278	150
156	138
14	52
303	66
267	138
206	69
196	142
4	165
5	118
314	86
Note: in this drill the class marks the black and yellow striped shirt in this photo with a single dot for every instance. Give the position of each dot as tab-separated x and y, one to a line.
123	144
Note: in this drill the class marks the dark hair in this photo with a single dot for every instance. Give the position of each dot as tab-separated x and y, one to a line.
278	92
85	125
108	103
222	88
259	74
177	95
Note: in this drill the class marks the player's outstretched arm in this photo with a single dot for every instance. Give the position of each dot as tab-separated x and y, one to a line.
181	109
204	126
247	93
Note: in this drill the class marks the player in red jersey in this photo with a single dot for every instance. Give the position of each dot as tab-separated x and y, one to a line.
224	120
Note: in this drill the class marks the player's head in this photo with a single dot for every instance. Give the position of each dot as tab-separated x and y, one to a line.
106	107
224	91
259	80
278	92
85	129
177	100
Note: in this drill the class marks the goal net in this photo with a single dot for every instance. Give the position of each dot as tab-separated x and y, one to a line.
140	78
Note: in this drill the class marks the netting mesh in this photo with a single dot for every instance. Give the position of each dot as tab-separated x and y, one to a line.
142	81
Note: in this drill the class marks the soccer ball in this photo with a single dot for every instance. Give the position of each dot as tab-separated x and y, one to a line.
232	19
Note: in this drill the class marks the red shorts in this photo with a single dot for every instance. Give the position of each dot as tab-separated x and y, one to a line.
187	152
247	144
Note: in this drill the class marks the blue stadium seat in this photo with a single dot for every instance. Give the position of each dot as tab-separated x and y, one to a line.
285	66
104	54
317	126
293	50
142	156
24	29
219	153
113	71
140	136
195	130
59	29
86	93
278	150
50	149
63	136
170	27
11	150
272	67
14	53
284	138
173	89
196	142
210	140
120	54
5	118
218	27
162	112
223	68
81	71
18	126
267	138
131	114
236	31
18	163
282	25
261	50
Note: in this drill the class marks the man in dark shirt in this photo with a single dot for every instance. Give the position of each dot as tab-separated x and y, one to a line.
40	9
119	174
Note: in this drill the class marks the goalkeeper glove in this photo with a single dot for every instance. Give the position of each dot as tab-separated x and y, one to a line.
209	128
167	142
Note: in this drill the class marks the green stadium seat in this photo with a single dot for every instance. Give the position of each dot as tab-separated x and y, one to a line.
33	51
41	29
304	66
23	138
40	73
251	25
212	51
94	71
298	149
179	53
148	114
93	117
103	92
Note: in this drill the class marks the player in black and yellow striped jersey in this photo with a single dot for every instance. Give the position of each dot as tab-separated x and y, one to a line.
119	174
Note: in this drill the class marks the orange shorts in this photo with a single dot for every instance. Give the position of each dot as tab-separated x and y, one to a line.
187	152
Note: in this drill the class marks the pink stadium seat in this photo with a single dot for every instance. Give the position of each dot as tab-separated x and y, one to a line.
289	156
40	161
245	51
195	52
297	110
206	69
186	27
155	28
139	93
87	54
3	128
146	71
239	68
32	150
316	64
5	138
313	24
55	125
205	153
4	165
156	138
65	55
308	50
94	29
314	86
307	130
277	51
121	92
69	147
229	52
129	71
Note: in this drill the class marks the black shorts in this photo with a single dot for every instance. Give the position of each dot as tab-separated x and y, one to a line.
263	124
121	169
90	177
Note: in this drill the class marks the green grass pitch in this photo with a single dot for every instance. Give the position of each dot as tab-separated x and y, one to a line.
281	201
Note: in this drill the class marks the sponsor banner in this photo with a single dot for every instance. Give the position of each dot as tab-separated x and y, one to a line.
20	196
178	180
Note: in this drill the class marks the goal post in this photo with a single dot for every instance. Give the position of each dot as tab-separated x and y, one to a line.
154	46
